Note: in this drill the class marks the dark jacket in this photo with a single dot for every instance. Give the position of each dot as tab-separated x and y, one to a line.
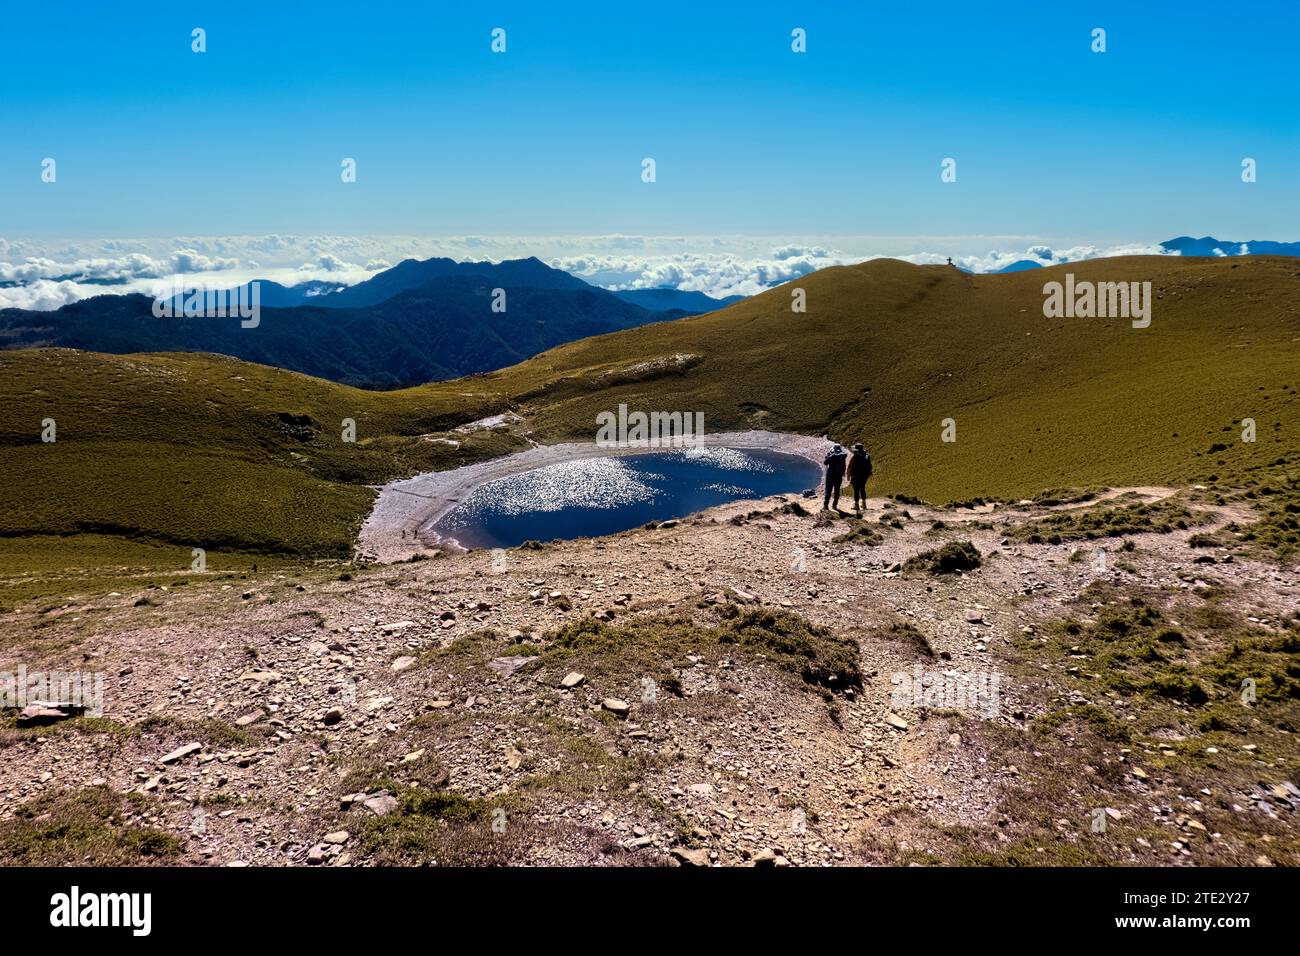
835	463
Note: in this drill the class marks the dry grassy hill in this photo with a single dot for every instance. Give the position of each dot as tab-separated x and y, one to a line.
160	453
888	350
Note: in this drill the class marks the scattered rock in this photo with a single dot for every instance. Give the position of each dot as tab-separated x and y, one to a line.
380	804
505	666
691	857
618	708
42	714
180	753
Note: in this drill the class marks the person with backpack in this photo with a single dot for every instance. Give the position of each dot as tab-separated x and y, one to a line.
835	464
858	471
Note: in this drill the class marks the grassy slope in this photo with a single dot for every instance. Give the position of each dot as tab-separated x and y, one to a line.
887	350
164	453
158	454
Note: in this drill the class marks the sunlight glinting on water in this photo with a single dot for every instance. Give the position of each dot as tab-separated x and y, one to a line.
728	458
733	490
586	483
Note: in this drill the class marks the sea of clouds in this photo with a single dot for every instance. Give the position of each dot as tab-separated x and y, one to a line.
46	274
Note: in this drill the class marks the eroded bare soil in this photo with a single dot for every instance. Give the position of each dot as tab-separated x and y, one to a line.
417	712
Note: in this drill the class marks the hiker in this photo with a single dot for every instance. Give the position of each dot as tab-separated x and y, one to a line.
859	471
834	463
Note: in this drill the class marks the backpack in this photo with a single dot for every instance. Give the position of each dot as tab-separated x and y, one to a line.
861	466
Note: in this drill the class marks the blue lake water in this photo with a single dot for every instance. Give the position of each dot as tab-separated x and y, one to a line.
590	497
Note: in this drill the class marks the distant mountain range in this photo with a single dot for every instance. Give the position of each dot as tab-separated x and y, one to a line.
668	299
420	321
1205	246
1209	246
417	322
410	274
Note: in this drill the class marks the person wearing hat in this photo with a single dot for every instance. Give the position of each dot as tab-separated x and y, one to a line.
834	463
859	470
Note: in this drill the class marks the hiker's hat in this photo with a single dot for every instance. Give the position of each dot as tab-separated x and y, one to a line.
837	448
857	446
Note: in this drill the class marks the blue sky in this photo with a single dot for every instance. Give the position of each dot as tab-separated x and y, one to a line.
1140	143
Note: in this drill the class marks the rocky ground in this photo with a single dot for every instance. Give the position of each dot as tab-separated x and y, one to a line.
448	711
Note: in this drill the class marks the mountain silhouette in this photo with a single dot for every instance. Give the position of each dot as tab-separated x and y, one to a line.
411	274
443	328
1209	246
667	299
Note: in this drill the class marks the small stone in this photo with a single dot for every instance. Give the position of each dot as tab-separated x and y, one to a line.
40	714
261	677
403	664
898	723
381	804
180	753
572	679
505	666
691	857
333	716
338	836
618	708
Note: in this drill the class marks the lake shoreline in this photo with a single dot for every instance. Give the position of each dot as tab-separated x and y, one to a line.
400	524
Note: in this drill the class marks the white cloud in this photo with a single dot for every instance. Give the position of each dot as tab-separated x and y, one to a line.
51	273
44	295
188	260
